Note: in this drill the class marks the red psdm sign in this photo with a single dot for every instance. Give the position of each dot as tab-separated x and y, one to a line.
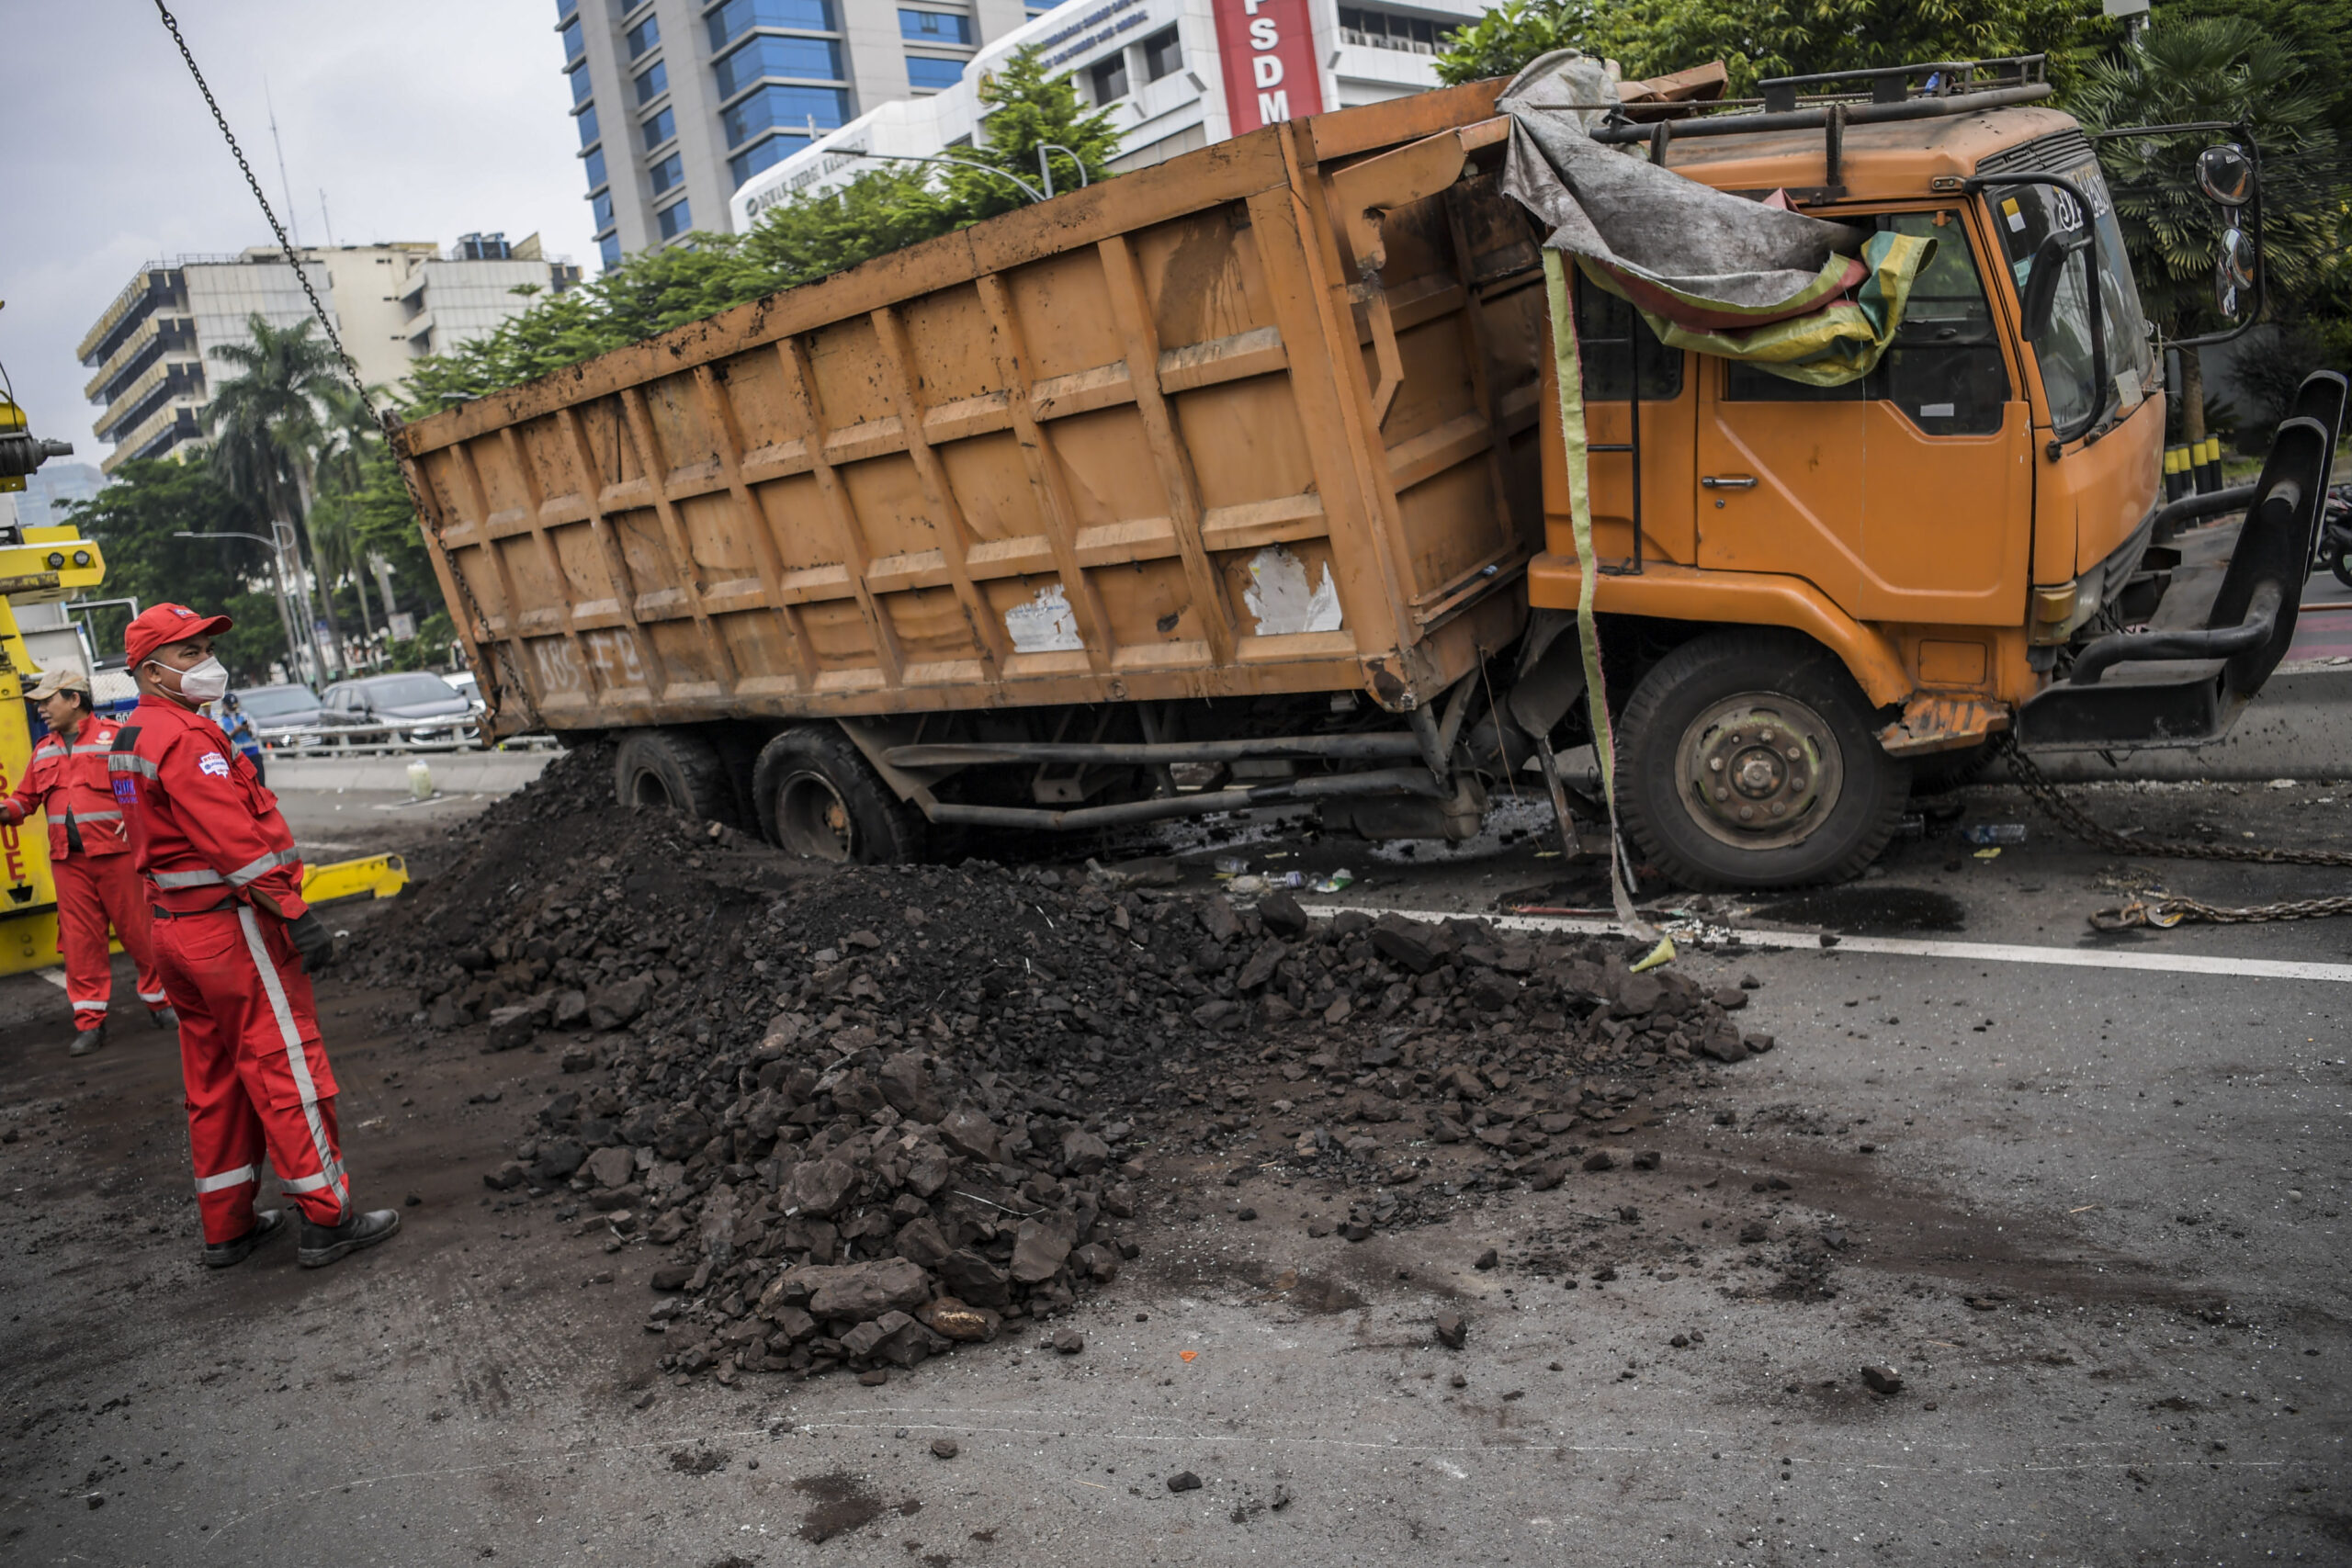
1268	48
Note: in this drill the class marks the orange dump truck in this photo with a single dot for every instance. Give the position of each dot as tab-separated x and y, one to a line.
1240	482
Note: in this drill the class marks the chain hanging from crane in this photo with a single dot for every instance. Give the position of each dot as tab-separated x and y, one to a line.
503	676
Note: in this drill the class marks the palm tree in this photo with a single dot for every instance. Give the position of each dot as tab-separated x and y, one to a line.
2224	69
348	433
267	429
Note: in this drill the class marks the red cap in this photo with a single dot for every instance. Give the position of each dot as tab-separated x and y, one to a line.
158	625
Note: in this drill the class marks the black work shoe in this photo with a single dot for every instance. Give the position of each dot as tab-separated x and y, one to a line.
165	1018
87	1040
321	1245
267	1223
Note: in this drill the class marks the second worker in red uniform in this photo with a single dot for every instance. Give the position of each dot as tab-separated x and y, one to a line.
89	859
235	942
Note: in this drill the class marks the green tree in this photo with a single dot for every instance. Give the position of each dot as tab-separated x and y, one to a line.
1756	39
2317	33
267	425
814	236
802	239
1506	38
1025	109
2224	69
134	520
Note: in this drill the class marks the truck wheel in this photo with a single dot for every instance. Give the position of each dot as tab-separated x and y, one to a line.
819	799
1750	760
674	768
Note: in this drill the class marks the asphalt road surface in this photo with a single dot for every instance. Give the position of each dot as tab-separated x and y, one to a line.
2083	1194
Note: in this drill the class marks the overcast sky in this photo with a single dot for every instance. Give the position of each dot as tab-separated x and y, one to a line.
422	120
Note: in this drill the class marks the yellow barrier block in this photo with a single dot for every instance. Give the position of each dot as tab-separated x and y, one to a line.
378	877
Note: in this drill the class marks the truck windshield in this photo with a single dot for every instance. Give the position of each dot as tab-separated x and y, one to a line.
2023	215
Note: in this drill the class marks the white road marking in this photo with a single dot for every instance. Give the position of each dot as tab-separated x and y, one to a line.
55	976
1912	947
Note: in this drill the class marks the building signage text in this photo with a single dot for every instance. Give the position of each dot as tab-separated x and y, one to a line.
1268	51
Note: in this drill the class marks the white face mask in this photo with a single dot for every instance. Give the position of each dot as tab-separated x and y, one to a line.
204	682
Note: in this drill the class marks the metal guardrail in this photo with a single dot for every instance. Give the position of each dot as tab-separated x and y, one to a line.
387	740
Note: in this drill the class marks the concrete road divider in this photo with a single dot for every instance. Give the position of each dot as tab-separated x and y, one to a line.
454	773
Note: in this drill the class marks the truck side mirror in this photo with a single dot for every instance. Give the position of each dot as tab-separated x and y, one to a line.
2233	270
2225	174
2042	284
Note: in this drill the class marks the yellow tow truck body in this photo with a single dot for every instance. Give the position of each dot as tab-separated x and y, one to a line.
37	566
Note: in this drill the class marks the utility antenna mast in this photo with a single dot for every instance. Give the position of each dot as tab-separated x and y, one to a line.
285	186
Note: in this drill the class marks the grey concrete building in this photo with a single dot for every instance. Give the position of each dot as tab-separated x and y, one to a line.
150	352
678	102
51	490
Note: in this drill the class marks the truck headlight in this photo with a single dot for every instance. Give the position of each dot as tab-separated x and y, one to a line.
2061	610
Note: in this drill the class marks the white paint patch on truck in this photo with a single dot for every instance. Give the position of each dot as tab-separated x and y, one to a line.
1278	595
1045	624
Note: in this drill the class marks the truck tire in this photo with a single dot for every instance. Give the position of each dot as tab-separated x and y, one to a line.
821	799
674	768
1728	708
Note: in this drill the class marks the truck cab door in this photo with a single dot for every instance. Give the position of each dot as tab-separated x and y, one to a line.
1905	496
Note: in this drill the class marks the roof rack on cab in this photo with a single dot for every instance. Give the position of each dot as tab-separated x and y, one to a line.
1835	99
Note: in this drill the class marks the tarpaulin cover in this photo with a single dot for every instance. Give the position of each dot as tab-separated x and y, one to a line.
1809	299
1804	299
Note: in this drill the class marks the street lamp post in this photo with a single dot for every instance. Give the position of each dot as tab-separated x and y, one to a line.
1031	191
279	588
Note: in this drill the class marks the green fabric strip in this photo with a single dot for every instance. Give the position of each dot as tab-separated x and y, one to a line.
1568	367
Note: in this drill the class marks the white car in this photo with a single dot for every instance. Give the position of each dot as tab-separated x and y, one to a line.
468	687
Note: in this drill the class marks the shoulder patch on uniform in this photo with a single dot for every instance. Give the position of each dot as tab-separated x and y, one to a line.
214	764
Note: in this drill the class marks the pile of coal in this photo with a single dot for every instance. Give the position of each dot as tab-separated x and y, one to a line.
867	1112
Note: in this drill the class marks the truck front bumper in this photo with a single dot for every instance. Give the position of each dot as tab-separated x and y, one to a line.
2186	687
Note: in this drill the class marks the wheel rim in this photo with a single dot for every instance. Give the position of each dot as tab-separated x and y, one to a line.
1760	770
812	820
646	789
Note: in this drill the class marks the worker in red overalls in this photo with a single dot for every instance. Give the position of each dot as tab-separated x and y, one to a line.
235	942
88	856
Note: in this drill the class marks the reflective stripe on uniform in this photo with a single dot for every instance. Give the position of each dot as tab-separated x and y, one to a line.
89	1006
261	867
152	1000
96	816
318	1183
119	761
97	748
240	1176
297	1059
186	878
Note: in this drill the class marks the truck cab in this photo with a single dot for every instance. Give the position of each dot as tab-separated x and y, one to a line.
1810	591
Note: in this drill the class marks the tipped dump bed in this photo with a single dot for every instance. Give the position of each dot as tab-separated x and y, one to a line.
1150	440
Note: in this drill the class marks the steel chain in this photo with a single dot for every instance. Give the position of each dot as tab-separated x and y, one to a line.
503	674
2165	911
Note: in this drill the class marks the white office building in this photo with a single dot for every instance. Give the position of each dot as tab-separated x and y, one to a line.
1177	74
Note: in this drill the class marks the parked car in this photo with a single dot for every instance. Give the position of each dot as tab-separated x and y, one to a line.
468	688
424	709
283	707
